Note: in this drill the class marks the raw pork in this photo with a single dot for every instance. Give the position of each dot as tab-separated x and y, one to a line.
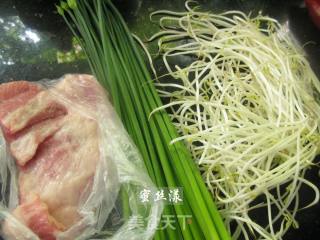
56	148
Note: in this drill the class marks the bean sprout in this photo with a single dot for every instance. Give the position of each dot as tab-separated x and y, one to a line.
247	106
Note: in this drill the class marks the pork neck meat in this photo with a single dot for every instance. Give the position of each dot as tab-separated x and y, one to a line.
55	144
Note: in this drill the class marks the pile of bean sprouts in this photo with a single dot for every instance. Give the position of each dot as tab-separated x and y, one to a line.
246	103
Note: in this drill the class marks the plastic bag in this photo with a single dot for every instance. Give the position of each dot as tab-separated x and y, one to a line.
68	167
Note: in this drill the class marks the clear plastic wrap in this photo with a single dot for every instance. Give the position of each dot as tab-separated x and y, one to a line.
93	192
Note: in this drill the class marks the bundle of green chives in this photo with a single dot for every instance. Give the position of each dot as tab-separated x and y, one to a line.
117	64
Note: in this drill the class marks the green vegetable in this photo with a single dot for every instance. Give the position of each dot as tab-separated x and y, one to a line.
119	67
247	105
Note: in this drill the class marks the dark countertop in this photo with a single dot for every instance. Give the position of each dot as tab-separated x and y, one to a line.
35	44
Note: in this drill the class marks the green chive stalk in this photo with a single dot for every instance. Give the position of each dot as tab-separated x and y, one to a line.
118	65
